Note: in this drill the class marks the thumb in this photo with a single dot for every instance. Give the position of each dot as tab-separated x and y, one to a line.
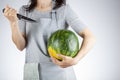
7	6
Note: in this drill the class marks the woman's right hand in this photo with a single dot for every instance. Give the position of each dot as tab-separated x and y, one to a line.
10	14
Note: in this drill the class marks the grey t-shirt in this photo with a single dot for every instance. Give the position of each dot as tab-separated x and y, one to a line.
35	33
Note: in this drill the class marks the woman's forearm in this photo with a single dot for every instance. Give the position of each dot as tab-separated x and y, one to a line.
86	46
17	37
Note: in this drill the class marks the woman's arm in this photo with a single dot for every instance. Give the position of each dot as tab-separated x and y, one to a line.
87	44
17	37
88	39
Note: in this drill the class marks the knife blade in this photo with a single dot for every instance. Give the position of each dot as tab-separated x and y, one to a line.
19	16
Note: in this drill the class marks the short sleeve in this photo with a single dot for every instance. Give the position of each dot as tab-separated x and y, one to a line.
73	20
22	23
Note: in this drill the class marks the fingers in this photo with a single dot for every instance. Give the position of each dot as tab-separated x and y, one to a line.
9	11
62	64
6	9
12	12
66	61
62	56
59	63
56	61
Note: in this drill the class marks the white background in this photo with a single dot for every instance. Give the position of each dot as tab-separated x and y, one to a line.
101	63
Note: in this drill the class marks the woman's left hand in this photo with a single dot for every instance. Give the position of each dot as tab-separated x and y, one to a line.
66	61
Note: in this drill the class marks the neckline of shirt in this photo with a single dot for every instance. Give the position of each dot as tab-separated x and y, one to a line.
42	12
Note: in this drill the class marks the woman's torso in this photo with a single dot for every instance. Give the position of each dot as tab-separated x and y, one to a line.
38	33
36	50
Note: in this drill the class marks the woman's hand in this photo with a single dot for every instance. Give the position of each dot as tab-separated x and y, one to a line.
66	61
10	14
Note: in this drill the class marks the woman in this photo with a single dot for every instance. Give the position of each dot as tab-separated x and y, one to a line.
50	16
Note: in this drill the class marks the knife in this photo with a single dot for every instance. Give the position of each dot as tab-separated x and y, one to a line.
23	17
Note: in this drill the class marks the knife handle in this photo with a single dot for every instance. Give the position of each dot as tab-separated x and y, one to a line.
3	10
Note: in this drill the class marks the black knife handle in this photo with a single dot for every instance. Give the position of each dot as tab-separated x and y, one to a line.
3	10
